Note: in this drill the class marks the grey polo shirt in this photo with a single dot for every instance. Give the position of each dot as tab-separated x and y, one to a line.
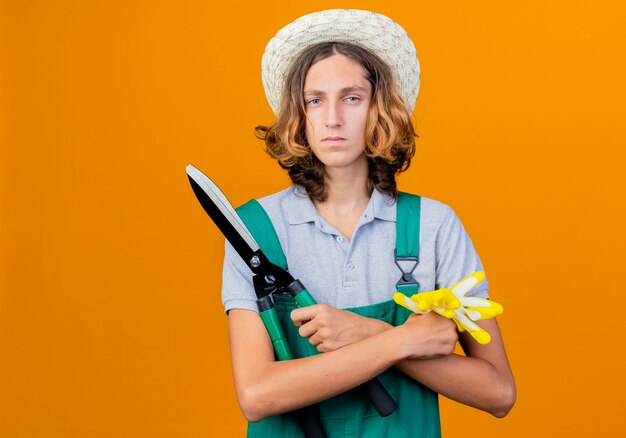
358	272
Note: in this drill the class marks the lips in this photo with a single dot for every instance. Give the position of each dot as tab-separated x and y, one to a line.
333	139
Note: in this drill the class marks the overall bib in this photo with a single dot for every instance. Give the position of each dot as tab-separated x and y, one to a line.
348	414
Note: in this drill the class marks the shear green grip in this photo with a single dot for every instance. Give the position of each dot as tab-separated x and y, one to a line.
277	335
304	299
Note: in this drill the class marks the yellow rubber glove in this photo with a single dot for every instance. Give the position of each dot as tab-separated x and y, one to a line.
453	303
442	301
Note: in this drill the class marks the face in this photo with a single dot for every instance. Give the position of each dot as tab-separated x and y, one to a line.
337	97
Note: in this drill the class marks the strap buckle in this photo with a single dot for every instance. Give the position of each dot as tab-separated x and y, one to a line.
407	284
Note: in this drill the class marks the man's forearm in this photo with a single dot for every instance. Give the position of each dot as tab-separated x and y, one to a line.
484	384
469	380
266	387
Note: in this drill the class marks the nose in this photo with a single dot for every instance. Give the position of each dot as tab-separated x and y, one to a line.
333	115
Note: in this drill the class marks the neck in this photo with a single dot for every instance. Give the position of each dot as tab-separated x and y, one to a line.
346	189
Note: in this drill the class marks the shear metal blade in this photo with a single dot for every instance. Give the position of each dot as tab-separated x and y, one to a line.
222	213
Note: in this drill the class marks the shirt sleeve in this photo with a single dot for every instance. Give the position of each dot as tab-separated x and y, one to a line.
456	257
237	288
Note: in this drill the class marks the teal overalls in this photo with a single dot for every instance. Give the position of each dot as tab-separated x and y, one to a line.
348	415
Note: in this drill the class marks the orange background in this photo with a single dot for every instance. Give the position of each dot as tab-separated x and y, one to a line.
111	323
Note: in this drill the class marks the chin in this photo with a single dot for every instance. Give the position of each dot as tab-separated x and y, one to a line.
341	159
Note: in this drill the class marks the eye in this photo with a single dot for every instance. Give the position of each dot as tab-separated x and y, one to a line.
353	99
314	101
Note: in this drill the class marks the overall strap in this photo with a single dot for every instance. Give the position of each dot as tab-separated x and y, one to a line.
260	226
408	208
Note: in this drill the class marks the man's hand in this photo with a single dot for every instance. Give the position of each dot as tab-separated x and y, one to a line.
329	328
429	336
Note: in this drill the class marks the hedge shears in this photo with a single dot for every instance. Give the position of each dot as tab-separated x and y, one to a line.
269	279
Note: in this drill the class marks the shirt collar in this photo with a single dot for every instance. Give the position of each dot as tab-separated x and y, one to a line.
299	207
301	210
383	206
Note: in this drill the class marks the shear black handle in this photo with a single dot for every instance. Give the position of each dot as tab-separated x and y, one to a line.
309	420
378	397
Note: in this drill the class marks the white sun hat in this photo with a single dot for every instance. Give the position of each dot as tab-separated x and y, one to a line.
374	32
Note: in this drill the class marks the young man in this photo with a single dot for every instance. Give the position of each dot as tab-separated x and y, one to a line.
343	84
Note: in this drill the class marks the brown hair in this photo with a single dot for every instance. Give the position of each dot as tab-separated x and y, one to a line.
389	133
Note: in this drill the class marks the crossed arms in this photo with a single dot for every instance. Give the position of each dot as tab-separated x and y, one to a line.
356	349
